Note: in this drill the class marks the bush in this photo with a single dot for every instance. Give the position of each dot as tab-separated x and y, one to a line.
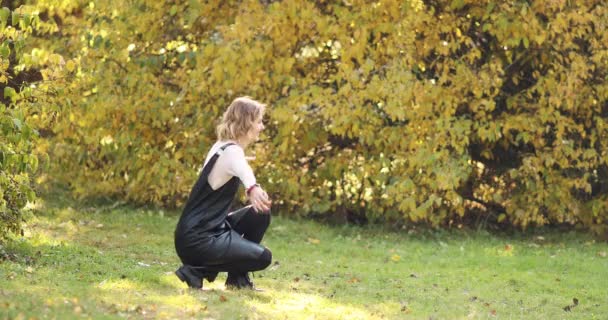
423	111
25	78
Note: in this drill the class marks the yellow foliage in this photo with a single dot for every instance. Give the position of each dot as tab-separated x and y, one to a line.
397	111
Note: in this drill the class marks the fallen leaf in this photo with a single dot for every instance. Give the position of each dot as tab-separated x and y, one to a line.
274	266
223	299
314	241
508	247
296	279
395	257
405	309
602	254
493	312
569	308
354	280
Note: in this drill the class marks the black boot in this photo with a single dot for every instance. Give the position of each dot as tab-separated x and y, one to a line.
239	281
202	272
190	277
193	276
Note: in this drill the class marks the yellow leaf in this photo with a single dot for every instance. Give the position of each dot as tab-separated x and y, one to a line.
70	65
178	155
314	241
354	280
395	257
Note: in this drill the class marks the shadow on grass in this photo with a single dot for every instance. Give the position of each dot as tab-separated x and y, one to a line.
120	260
115	263
67	279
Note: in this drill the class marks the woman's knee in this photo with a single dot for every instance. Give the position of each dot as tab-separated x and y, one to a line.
261	262
265	258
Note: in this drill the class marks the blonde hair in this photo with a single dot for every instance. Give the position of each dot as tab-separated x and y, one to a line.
239	118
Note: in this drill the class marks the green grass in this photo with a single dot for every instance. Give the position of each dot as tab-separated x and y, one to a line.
106	263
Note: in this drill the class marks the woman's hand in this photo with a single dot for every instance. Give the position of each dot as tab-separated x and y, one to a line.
259	199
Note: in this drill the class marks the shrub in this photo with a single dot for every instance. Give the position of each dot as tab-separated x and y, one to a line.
26	75
417	111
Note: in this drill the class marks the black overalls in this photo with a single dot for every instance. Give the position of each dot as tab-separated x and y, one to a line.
211	240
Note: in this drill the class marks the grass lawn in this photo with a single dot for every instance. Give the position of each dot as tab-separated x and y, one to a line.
103	263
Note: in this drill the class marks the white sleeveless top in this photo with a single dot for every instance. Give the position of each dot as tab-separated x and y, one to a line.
231	163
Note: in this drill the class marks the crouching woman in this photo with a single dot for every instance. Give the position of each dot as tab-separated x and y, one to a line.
208	238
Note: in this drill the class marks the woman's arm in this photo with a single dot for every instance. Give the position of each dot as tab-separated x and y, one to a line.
259	199
238	166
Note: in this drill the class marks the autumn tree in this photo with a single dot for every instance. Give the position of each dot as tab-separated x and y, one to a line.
437	112
27	78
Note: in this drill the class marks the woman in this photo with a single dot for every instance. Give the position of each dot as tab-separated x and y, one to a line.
208	239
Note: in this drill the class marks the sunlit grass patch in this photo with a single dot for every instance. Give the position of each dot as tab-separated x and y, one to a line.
98	262
302	305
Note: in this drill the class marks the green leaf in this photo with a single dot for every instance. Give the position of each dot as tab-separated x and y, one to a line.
5	51
489	9
31	195
457	4
173	10
97	41
27	20
4	14
34	163
502	217
17	123
9	93
14	18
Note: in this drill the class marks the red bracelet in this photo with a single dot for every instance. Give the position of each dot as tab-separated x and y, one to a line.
251	188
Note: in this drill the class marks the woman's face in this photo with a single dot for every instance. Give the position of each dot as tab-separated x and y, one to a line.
258	126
